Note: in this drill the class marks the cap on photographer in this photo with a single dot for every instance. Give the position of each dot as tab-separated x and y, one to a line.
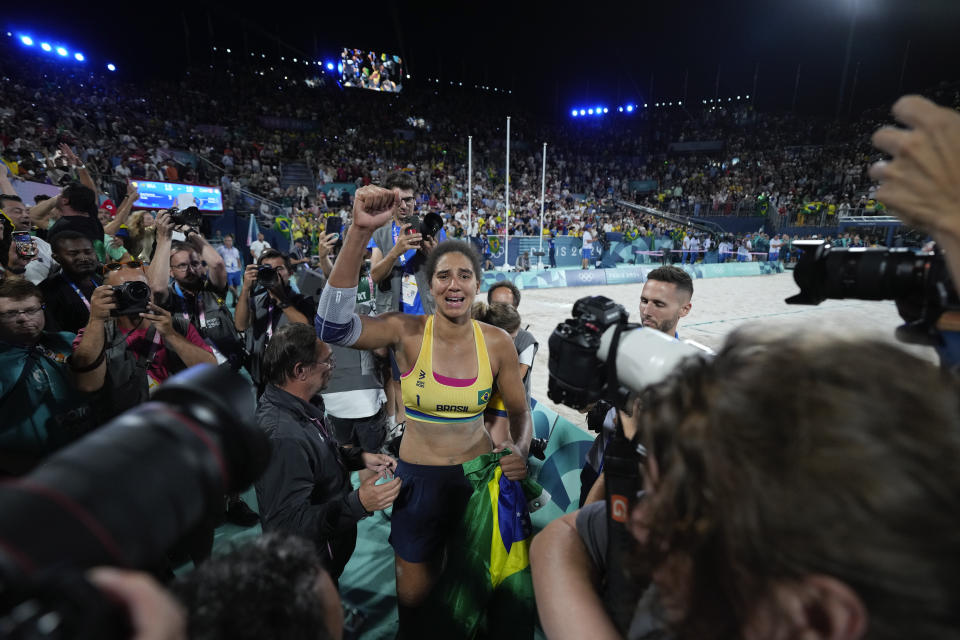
267	303
42	409
130	345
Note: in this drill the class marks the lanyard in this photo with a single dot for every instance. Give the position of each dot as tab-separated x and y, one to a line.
201	315
83	298
269	318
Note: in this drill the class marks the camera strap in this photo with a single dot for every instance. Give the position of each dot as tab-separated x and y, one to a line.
622	480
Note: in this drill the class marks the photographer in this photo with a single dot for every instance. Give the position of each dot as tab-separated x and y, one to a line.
42	409
821	525
306	488
199	289
266	304
527	346
665	298
398	252
130	345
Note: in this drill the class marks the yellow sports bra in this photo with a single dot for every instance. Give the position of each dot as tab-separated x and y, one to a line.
430	397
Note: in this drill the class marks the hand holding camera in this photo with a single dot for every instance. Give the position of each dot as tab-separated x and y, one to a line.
409	238
250	277
159	318
102	303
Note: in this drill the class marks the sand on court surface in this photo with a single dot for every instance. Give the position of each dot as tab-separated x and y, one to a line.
719	306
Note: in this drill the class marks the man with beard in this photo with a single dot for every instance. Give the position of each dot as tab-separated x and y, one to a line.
665	299
199	289
42	410
68	293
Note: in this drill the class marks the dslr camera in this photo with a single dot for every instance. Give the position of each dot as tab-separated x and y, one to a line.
189	216
123	495
131	298
267	276
919	282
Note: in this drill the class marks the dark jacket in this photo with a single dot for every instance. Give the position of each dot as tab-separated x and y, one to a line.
306	488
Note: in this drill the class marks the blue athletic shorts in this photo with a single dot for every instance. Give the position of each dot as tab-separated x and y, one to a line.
234	278
428	509
586	254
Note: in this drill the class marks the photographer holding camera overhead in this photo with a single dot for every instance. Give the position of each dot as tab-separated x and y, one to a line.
199	289
267	302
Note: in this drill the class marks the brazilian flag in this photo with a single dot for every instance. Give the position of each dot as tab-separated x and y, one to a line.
633	234
494	244
282	225
486	590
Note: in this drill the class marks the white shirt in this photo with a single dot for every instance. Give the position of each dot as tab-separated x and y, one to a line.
587	240
257	247
43	265
361	403
231	257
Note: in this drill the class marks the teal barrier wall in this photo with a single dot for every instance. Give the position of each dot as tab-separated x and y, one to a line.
555	278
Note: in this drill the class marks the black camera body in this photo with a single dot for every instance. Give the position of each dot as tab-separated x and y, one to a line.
124	495
267	276
919	282
189	216
131	298
428	226
578	378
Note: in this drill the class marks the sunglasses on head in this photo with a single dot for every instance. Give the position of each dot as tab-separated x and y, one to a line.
116	266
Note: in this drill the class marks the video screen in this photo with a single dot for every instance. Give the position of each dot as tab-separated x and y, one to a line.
163	195
371	70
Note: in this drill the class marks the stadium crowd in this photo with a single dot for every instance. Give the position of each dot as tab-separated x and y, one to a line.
100	305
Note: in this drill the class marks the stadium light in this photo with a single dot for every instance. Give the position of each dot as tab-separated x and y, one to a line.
629	108
45	46
748	97
27	40
329	66
408	77
604	109
738	97
61	51
110	67
644	105
574	113
581	111
620	109
590	111
228	51
79	57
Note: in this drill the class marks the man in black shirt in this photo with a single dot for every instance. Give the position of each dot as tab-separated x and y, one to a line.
78	212
67	294
265	306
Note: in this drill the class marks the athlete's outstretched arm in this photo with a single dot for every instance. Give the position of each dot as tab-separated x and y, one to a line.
336	321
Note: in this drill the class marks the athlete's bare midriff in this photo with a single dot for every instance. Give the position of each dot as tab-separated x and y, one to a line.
444	444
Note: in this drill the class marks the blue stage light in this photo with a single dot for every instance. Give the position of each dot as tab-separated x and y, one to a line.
61	51
329	66
79	57
605	109
27	40
574	113
581	112
110	67
45	46
590	111
629	108
620	109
